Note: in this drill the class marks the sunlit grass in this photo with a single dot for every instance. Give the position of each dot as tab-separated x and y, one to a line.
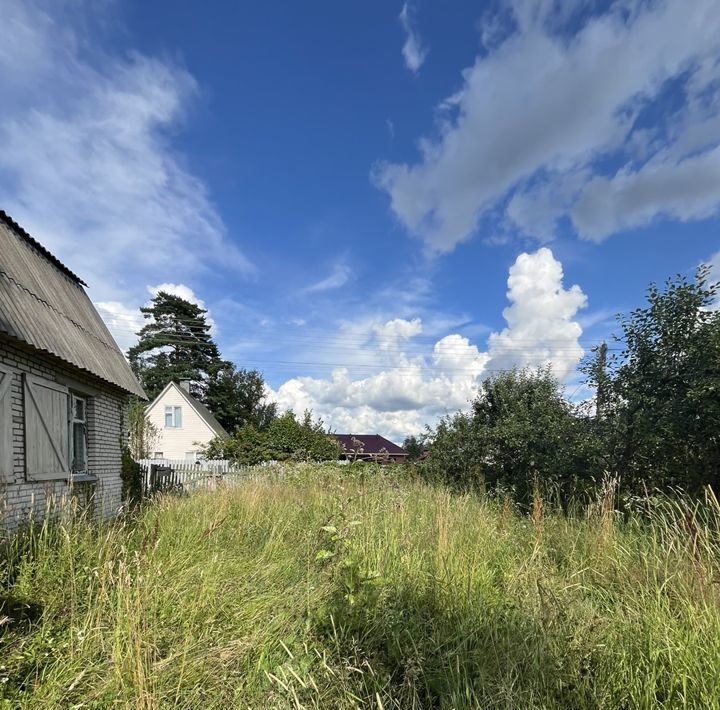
337	590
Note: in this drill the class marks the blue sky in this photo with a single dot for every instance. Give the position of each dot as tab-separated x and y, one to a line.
379	203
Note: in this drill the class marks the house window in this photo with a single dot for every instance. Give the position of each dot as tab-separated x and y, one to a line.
158	455
191	456
78	434
173	417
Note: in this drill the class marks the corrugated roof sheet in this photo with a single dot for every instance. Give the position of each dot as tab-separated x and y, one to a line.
6	219
372	443
44	304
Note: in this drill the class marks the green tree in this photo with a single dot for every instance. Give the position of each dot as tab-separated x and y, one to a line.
238	397
286	438
520	428
246	447
174	345
142	434
664	389
414	447
305	440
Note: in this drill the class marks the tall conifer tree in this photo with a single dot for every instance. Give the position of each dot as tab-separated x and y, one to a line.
174	345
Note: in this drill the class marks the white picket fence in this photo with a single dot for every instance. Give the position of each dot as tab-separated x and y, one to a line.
205	465
169	475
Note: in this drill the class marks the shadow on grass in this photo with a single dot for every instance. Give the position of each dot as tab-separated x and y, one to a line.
15	611
427	649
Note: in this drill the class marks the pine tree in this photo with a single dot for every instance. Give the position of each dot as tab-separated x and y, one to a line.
174	345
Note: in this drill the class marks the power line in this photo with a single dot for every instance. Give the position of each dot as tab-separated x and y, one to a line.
192	327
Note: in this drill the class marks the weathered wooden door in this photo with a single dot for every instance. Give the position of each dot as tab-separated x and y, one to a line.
6	425
46	429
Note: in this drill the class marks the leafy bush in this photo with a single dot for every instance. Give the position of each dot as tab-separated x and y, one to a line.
286	438
131	476
520	429
656	422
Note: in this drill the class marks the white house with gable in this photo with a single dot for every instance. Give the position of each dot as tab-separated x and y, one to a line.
184	423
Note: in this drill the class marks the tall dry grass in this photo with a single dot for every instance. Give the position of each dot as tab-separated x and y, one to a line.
331	590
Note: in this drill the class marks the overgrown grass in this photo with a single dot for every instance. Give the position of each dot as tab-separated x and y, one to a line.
335	590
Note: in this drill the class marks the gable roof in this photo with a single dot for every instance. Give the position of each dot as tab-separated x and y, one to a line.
44	304
203	412
372	443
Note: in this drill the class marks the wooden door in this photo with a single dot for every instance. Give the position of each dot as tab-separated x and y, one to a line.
6	425
46	429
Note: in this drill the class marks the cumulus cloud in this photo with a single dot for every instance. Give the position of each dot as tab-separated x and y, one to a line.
179	290
542	329
412	388
87	162
548	107
413	51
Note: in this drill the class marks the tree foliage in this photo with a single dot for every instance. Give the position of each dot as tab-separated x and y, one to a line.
656	422
174	345
663	389
237	397
520	428
414	447
286	438
142	433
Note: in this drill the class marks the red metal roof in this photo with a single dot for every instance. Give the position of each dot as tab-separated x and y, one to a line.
371	444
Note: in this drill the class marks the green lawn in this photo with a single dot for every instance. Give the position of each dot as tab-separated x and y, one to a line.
339	590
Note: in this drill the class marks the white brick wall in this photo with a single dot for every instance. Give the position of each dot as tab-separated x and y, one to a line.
20	499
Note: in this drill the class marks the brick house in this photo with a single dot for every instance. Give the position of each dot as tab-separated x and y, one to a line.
64	387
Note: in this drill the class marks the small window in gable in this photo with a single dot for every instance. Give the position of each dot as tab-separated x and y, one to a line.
173	417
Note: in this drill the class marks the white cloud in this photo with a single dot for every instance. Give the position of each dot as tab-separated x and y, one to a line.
411	388
179	290
87	162
339	277
413	51
123	322
543	107
714	263
684	190
542	326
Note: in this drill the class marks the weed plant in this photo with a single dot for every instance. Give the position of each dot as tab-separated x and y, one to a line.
337	588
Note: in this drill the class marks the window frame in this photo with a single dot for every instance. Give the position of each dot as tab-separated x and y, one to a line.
72	421
175	414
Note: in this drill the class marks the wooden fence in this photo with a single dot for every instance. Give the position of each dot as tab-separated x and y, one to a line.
165	476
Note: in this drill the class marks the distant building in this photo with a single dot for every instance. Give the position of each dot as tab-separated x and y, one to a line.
184	423
370	447
64	387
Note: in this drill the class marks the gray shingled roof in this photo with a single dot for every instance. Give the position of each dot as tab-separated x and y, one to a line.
205	414
43	304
